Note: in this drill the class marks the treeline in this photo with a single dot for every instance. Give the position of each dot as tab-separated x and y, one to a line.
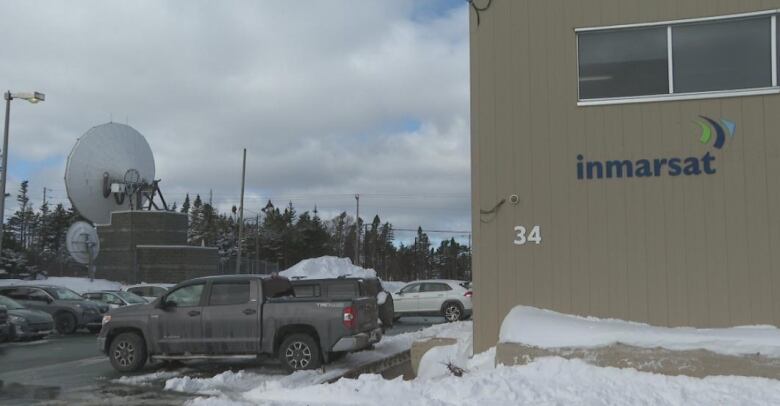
283	236
34	240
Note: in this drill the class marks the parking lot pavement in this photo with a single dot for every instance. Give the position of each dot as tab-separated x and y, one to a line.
69	370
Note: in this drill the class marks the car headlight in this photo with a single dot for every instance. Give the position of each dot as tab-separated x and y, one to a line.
106	319
17	319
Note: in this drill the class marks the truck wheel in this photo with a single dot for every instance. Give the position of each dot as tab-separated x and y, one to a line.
65	323
452	312
298	352
127	352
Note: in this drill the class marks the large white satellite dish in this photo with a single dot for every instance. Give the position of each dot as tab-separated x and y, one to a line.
108	165
82	242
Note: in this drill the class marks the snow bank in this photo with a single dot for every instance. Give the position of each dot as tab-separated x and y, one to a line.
80	285
548	329
546	381
327	267
229	385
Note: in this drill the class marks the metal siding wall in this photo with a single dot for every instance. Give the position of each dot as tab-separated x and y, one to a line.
699	251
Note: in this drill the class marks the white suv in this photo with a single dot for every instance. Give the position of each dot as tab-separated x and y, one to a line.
448	298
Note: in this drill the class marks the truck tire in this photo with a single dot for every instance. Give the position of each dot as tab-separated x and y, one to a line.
127	352
299	352
452	311
65	322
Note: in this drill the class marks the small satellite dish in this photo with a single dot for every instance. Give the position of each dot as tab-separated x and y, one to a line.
107	169
82	242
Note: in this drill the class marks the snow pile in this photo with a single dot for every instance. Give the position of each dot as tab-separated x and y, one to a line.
243	384
548	329
80	285
546	381
327	267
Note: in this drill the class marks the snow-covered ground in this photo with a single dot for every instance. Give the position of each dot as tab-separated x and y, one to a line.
241	387
548	329
79	285
545	381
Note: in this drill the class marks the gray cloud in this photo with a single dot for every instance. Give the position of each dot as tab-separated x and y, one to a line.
329	98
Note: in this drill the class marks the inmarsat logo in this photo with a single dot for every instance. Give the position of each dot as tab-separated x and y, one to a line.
706	131
654	167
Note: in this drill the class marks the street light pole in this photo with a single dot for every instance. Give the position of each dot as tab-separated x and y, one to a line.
4	169
33	97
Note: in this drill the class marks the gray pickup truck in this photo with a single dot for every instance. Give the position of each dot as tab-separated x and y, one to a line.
240	316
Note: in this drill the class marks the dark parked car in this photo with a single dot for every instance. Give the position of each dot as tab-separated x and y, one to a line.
69	310
4	325
26	323
241	316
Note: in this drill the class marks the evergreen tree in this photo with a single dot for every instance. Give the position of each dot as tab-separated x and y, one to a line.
185	207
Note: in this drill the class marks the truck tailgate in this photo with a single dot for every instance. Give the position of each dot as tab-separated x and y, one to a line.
367	313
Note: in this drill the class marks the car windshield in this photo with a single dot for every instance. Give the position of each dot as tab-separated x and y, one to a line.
65	294
9	303
131	298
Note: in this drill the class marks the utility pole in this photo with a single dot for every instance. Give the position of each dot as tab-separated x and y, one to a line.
240	214
357	230
211	192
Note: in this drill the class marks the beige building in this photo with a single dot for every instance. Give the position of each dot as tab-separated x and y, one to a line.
625	160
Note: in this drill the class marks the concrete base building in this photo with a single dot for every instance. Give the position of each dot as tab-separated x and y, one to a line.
623	160
150	246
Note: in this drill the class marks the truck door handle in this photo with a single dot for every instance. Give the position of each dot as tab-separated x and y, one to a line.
249	311
194	313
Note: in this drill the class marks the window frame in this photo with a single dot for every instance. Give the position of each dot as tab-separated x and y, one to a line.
671	96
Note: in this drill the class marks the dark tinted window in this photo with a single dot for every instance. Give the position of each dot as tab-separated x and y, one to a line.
15	293
307	290
622	63
155	291
40	295
229	293
723	55
140	291
435	287
342	289
186	296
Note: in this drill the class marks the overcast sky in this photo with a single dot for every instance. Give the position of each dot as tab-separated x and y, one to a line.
330	98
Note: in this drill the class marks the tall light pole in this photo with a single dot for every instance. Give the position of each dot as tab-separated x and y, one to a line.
241	215
33	98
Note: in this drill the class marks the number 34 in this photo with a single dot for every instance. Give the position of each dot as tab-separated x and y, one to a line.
534	236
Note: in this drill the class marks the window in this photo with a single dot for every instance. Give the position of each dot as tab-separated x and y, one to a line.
699	58
41	296
16	293
307	290
411	288
229	293
186	296
612	65
342	289
155	291
111	299
435	287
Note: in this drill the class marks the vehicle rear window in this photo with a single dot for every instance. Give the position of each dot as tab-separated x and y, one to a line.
342	289
435	287
307	290
229	293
